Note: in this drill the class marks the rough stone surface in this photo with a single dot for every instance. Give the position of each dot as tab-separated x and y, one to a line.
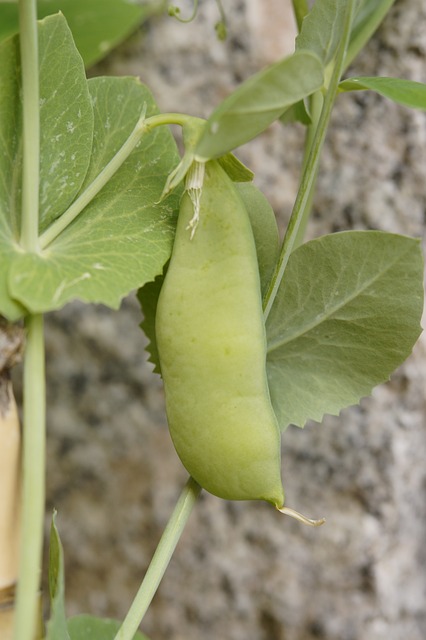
242	571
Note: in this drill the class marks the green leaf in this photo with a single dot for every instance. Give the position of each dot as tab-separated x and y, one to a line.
10	168
123	237
9	19
258	102
97	25
346	315
406	92
84	627
322	29
66	119
66	123
57	625
236	170
265	230
300	9
296	113
148	299
369	16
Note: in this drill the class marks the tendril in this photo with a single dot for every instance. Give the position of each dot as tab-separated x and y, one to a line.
175	12
220	27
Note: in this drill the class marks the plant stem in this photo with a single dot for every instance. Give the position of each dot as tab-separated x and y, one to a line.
316	103
307	183
143	125
160	560
363	33
33	489
33	459
30	123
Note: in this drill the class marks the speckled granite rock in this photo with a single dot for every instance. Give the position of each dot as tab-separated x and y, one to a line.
240	570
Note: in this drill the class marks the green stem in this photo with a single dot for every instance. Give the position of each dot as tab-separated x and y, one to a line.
144	125
307	183
362	34
30	123
160	560
316	103
33	485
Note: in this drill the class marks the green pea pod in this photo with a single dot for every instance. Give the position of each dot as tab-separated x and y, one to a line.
212	346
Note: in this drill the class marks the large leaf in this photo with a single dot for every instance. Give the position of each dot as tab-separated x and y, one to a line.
84	627
66	124
10	168
9	19
66	119
97	25
322	29
406	92
123	237
57	624
346	315
258	102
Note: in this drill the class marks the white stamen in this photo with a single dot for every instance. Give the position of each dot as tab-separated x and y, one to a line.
194	187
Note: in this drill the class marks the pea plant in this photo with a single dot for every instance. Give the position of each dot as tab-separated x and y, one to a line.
249	333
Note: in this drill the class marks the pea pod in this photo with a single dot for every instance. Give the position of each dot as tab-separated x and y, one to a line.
212	347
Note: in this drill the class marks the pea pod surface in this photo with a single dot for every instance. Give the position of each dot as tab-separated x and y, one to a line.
212	347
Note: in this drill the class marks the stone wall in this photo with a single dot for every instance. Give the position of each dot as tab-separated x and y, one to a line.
241	571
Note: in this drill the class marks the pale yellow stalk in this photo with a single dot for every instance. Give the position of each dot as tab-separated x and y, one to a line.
10	444
11	339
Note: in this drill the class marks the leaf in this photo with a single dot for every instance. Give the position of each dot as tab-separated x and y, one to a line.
122	238
97	25
57	625
8	20
368	18
148	299
346	315
85	627
66	119
66	128
265	230
236	170
10	169
406	92
301	10
322	29
296	113
258	102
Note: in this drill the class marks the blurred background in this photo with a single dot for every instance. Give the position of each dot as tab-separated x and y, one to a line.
242	571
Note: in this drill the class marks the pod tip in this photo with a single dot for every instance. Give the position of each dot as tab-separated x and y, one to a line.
299	516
